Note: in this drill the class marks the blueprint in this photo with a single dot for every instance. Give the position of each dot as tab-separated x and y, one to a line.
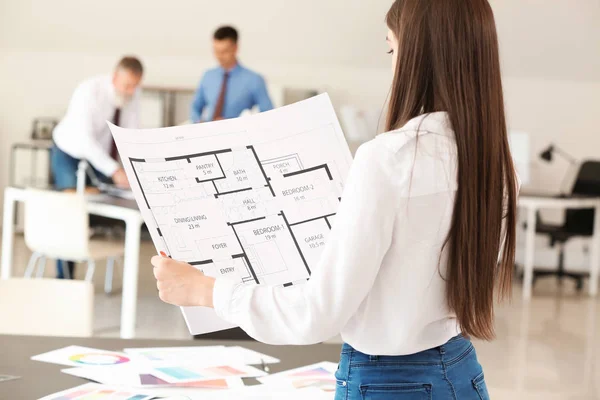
251	199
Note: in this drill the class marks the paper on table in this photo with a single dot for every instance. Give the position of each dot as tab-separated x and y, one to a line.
262	392
319	376
121	375
324	368
173	355
177	374
200	356
95	391
4	378
77	356
249	199
135	375
212	384
118	192
259	392
270	393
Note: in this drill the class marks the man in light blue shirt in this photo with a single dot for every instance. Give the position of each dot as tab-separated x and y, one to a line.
229	89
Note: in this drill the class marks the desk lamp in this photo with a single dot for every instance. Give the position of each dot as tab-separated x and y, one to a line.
548	155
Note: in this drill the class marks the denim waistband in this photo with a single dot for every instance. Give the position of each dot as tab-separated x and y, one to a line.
453	350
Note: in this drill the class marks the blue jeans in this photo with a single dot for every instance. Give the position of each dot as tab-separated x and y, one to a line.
60	269
447	372
64	170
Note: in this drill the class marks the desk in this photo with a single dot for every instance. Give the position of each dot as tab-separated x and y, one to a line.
40	379
111	207
531	204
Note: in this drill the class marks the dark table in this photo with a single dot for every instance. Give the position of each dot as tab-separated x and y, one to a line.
39	379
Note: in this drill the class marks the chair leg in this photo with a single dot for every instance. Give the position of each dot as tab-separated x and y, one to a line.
108	278
89	275
41	267
561	265
31	264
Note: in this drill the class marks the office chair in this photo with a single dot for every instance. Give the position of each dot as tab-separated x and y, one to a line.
578	222
56	226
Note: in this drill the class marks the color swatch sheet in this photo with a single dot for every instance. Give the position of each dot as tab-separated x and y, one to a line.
208	367
92	391
136	375
77	356
200	355
178	374
320	376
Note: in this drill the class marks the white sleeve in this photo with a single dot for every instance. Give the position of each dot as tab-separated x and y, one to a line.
83	107
319	309
133	112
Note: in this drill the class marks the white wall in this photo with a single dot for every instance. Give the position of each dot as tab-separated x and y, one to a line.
563	112
550	50
551	64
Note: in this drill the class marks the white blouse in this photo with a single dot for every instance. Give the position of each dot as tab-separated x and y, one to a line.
380	278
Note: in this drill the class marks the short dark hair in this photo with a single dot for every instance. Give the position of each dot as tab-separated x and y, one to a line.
226	32
131	64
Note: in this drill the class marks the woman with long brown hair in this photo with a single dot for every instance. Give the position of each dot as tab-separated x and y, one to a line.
425	233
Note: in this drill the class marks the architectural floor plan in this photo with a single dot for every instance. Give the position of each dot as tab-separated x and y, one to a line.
251	199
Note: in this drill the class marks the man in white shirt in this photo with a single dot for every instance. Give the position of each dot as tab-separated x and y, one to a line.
83	132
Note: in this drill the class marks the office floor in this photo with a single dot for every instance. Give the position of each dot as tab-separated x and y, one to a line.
545	350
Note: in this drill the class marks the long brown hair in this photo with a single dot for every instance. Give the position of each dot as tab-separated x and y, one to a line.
448	61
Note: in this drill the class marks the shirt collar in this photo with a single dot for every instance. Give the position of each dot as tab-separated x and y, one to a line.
233	70
435	122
